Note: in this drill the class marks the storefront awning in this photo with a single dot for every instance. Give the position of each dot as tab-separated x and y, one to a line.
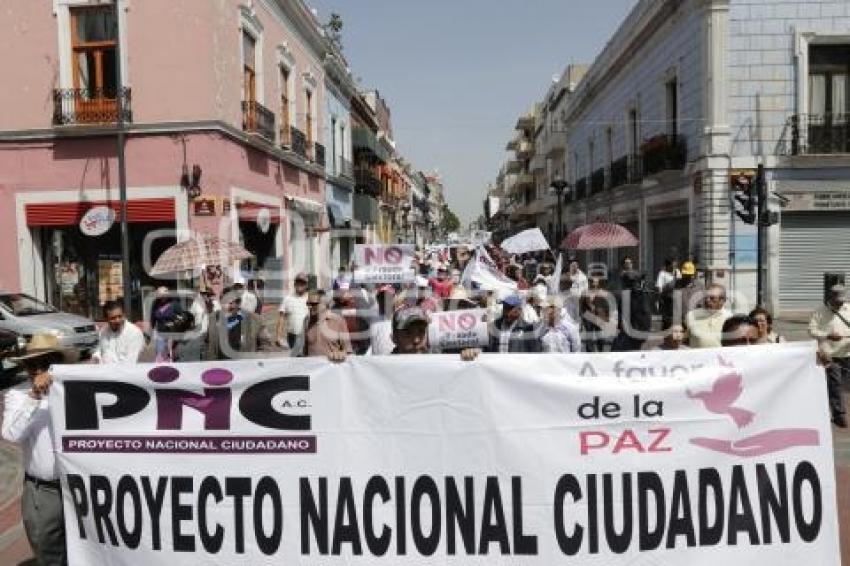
70	213
305	206
250	211
338	218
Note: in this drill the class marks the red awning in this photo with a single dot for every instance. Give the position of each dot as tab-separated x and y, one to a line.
70	213
247	211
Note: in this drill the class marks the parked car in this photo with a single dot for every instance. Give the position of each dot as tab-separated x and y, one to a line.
11	344
28	316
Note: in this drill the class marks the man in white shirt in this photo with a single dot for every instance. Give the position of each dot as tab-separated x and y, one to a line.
578	278
120	342
830	326
292	314
26	421
705	324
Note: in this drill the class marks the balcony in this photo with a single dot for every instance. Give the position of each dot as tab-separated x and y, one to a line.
319	154
257	119
581	188
555	145
298	141
367	182
344	168
664	153
81	106
525	122
597	181
513	166
620	172
366	142
820	134
525	149
512	145
524	181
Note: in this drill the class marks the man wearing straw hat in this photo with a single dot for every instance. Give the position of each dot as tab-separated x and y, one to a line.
26	422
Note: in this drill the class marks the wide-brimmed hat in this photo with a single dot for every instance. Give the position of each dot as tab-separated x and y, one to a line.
40	345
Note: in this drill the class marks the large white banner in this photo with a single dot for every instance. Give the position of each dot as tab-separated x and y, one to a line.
702	457
377	263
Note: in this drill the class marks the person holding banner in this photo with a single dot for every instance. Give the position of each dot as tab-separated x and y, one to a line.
326	333
26	421
560	335
510	333
410	334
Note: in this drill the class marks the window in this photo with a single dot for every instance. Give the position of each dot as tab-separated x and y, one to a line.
249	67
672	93
285	124
333	147
829	99
634	134
308	125
94	49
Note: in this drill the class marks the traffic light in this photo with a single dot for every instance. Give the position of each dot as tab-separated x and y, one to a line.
766	218
745	195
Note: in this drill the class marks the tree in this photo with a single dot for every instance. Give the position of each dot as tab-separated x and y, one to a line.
450	222
333	30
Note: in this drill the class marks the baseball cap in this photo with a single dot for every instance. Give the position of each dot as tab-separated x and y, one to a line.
688	268
512	301
404	317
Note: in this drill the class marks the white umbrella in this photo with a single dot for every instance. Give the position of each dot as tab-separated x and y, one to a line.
531	240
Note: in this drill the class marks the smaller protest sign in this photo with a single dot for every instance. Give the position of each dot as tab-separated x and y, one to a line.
458	329
378	263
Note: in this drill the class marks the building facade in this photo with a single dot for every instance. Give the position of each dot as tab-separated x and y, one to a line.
688	94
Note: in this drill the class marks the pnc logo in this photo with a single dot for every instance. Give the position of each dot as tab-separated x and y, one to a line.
86	409
384	255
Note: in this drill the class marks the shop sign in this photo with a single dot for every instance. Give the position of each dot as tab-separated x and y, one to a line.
264	220
825	200
97	221
204	206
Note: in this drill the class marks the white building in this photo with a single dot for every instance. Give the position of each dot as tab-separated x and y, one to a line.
685	93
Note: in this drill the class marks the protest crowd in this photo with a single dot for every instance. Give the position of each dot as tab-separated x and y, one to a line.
463	300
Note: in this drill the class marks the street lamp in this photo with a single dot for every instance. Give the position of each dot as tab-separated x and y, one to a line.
559	186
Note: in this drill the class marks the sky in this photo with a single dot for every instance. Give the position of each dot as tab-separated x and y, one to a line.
458	73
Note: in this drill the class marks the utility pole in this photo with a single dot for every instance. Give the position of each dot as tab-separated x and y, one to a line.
763	223
122	169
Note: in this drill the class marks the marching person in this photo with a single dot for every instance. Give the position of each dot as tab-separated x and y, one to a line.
292	315
235	333
665	284
510	333
830	326
326	333
26	421
705	324
119	342
165	314
764	320
578	278
560	334
674	339
739	330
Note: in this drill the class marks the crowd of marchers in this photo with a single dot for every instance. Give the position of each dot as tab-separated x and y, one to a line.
529	304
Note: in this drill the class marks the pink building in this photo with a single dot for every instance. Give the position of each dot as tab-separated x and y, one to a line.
235	87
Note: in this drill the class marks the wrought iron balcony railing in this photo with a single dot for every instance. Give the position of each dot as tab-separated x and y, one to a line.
620	172
298	142
344	168
597	181
319	154
257	119
820	134
90	106
581	188
664	152
367	182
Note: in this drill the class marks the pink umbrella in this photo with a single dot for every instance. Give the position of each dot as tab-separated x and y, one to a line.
598	236
200	250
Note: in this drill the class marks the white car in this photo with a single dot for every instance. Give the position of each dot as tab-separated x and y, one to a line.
28	316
